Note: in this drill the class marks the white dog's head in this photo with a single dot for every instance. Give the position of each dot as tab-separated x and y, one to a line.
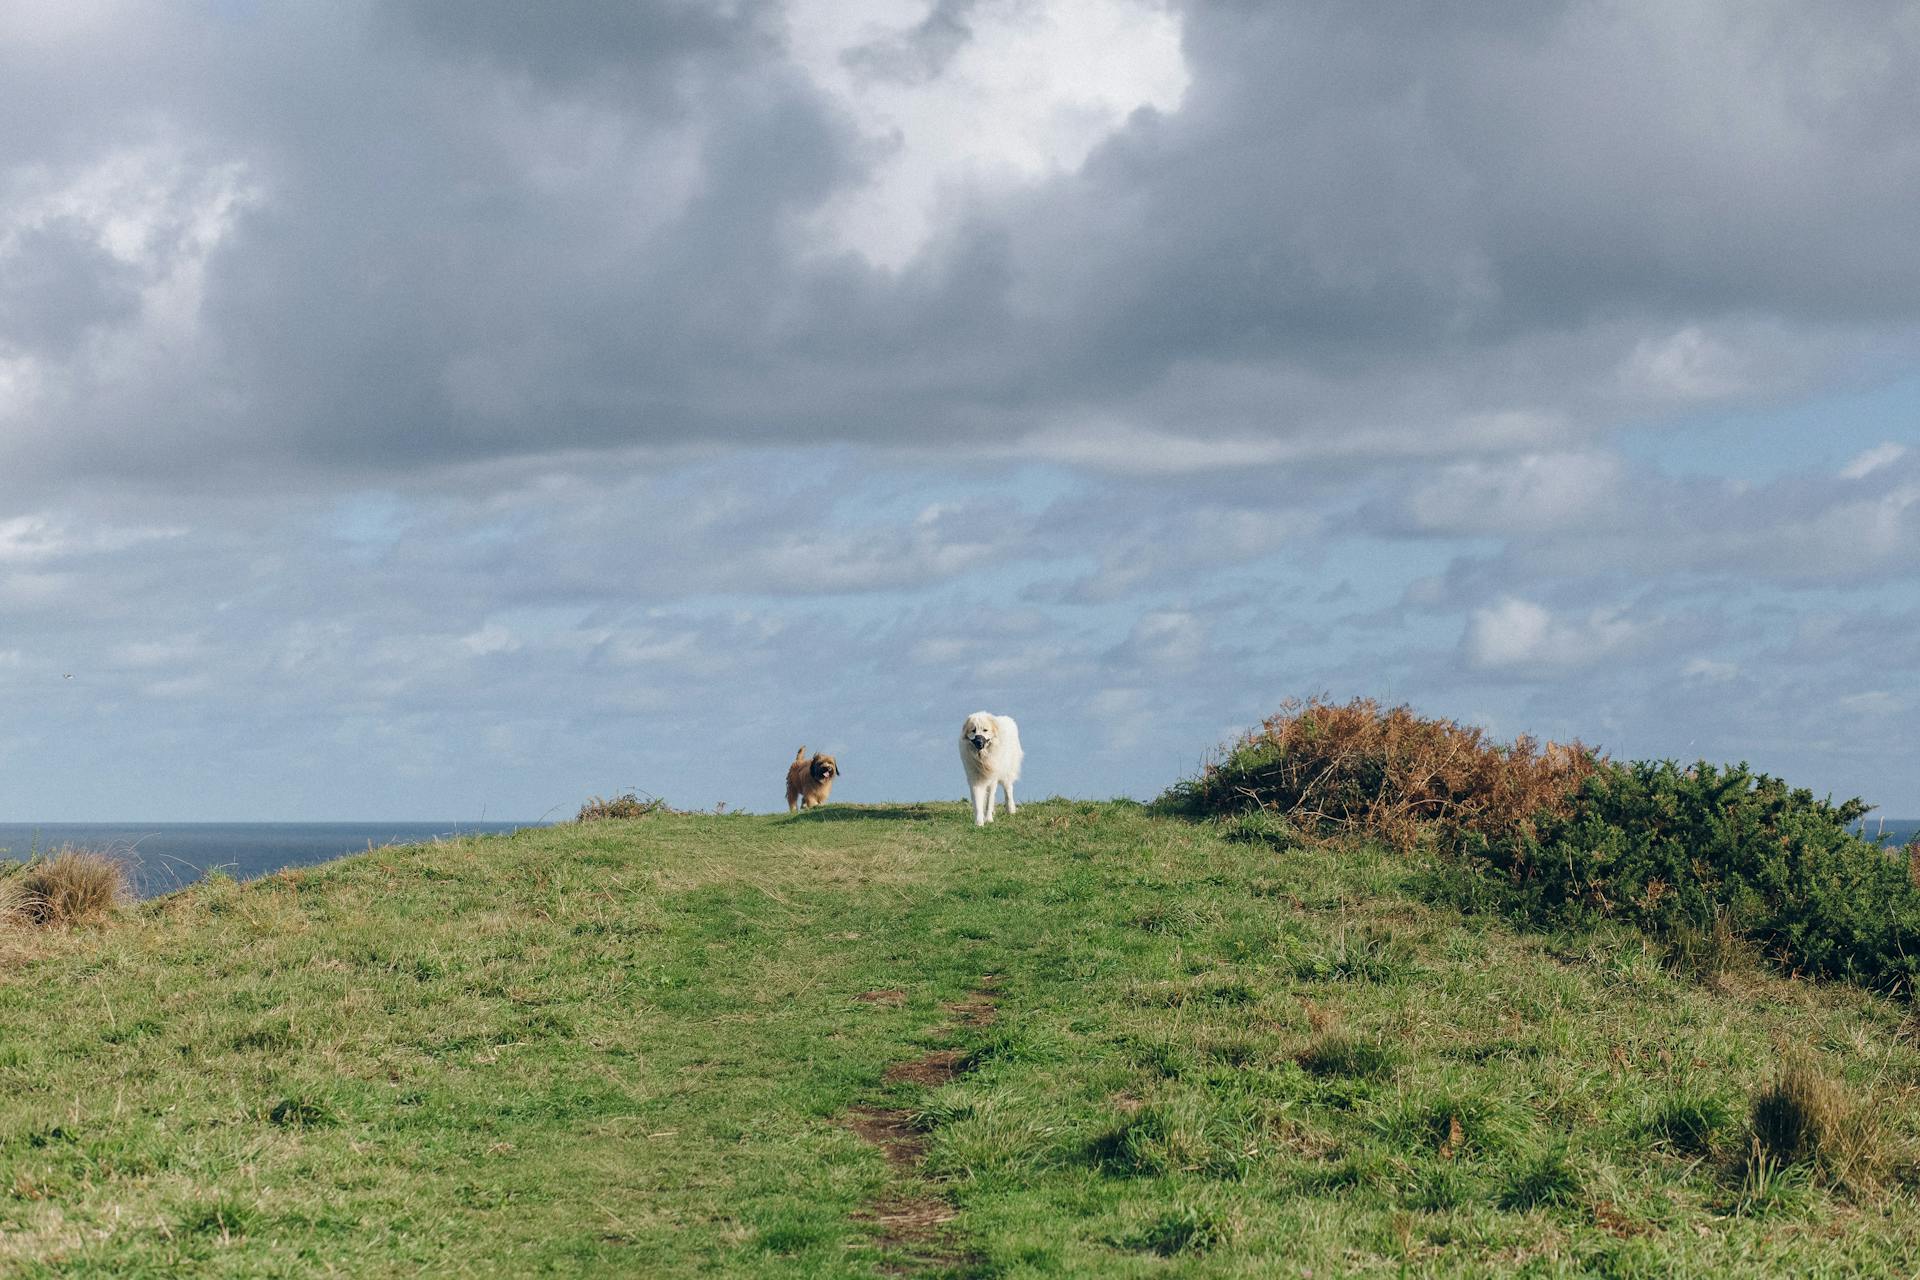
979	731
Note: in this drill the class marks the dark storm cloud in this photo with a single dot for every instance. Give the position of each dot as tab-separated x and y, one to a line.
56	284
614	45
446	256
477	231
495	314
1354	193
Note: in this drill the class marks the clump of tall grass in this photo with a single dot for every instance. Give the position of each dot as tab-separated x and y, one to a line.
66	886
1802	1116
1709	953
1690	1121
1547	1179
1335	1053
629	805
1363	769
1180	1134
1366	954
1189	1226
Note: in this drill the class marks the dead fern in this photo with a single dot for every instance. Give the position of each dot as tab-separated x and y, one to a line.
1358	768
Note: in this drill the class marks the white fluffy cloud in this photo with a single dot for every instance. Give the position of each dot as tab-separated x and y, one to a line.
1520	496
1517	635
965	101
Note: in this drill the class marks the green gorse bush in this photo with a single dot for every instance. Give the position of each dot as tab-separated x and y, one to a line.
1685	851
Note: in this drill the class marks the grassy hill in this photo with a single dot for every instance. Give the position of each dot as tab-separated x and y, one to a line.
1084	1041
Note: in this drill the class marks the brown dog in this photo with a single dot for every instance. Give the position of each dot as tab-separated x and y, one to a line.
809	782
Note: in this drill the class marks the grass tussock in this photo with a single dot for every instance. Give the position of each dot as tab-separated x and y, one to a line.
1362	769
1188	1227
66	887
629	805
1708	953
1367	953
1336	1053
1546	1180
1690	1122
1803	1116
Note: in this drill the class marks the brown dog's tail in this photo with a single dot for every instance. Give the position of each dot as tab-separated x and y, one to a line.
801	754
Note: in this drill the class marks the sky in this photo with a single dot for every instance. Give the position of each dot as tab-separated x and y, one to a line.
451	410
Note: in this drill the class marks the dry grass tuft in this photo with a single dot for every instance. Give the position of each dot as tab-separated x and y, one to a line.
1385	772
67	886
1804	1116
629	805
13	897
1712	954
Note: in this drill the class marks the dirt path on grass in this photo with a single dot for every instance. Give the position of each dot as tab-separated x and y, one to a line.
913	1222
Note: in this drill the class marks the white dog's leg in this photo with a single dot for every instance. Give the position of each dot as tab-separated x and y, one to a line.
1009	786
981	814
990	799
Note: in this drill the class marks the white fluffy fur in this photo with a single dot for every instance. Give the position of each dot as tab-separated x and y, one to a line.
990	750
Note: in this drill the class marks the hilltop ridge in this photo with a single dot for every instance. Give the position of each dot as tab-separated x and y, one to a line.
1104	1041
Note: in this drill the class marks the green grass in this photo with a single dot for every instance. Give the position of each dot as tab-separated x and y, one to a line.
628	1048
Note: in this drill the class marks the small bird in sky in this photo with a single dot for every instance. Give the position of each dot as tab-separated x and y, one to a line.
67	676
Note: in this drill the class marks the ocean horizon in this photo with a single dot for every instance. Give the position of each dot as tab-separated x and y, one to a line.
1894	831
165	856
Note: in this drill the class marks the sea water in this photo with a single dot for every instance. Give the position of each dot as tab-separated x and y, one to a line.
166	855
1893	831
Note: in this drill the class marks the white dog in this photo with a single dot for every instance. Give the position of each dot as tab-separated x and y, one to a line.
990	750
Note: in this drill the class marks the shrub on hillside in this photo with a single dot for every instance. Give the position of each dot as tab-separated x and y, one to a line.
1685	852
68	886
1712	860
626	806
1385	772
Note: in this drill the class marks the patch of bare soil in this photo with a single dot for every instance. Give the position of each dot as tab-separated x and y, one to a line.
933	1068
891	1130
913	1227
